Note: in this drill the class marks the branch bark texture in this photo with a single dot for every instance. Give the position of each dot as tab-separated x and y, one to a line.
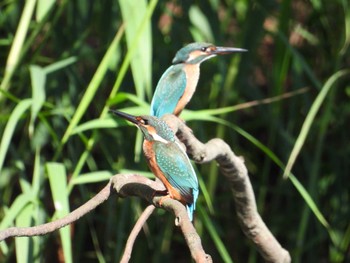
234	169
124	185
134	233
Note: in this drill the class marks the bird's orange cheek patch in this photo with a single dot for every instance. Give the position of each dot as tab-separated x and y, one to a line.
195	54
151	130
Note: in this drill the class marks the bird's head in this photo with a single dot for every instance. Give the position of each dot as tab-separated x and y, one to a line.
196	53
153	128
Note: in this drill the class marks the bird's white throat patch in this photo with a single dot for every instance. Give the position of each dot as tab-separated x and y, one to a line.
158	138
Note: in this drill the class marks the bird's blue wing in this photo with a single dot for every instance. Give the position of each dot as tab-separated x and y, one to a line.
178	170
169	90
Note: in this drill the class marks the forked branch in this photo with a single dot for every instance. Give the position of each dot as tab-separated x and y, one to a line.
123	185
234	169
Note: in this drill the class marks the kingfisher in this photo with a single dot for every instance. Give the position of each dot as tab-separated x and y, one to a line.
178	83
167	159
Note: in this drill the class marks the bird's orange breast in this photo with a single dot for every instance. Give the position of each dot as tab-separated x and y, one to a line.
192	76
152	163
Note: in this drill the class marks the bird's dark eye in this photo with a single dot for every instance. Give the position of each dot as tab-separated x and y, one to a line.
204	49
145	122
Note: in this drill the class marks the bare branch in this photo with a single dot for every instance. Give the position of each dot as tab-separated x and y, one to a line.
191	236
147	190
135	231
134	185
102	196
124	185
235	171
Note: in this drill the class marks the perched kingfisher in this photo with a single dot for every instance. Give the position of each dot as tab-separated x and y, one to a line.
178	83
167	160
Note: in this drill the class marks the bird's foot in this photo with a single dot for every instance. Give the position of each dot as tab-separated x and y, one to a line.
163	198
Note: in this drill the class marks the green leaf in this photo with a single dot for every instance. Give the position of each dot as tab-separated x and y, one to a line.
205	193
20	202
93	86
24	245
36	181
305	129
93	177
60	65
208	223
308	199
17	44
43	8
122	96
38	78
58	184
96	124
10	128
346	7
133	13
201	23
124	67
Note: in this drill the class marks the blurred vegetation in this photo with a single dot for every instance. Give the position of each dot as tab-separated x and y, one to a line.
64	63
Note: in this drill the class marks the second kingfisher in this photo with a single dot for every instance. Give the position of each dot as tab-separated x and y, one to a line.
178	83
167	160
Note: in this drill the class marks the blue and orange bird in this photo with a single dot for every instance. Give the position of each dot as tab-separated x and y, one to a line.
166	159
178	83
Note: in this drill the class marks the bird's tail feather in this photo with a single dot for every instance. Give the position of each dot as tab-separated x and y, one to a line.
192	207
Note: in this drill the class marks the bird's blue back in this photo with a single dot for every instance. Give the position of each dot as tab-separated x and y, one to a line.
178	170
169	90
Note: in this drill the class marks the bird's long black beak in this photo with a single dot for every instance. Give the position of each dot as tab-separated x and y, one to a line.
227	50
126	116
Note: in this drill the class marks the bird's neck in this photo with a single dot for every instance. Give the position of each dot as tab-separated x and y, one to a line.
148	149
192	76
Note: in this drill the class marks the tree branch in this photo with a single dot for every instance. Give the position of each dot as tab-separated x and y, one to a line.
233	168
98	199
147	190
124	185
190	234
135	231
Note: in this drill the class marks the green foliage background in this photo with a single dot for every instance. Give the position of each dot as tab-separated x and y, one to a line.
65	63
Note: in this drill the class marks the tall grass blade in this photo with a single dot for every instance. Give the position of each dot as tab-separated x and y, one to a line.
225	256
346	8
43	8
24	245
201	25
10	128
93	85
17	45
310	118
60	65
93	177
38	79
96	124
126	62
300	188
36	182
141	60
17	206
58	184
